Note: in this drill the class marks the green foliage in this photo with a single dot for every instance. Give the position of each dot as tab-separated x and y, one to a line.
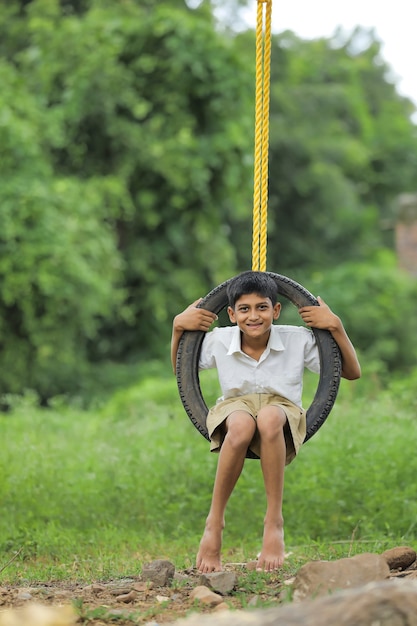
59	271
377	303
59	265
102	492
362	485
121	159
343	147
126	142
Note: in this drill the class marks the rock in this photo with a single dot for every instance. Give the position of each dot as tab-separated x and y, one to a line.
251	565
206	596
143	587
406	573
160	572
384	603
127	597
318	578
400	558
163	599
117	614
24	595
117	590
95	588
183	578
63	595
222	582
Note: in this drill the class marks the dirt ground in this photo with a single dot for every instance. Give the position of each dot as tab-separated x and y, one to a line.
133	601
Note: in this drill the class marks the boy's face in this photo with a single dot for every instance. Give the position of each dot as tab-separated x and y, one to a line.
254	314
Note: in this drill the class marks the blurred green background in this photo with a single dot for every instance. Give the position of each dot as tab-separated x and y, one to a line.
126	150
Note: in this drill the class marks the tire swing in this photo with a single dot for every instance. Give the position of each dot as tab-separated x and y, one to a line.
189	348
188	355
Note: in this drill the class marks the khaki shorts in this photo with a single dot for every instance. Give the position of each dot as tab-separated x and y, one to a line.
294	430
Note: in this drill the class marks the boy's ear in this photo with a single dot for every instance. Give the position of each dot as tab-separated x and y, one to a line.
277	310
231	314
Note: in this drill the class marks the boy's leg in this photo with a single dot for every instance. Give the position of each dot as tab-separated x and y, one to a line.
240	428
270	422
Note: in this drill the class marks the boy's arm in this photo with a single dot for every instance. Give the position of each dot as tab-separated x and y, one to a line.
192	318
323	317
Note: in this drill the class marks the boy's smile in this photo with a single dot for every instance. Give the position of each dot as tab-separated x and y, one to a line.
254	315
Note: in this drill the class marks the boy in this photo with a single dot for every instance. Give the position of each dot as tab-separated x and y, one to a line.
260	368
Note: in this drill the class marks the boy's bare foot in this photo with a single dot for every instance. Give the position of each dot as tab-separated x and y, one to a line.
208	557
272	555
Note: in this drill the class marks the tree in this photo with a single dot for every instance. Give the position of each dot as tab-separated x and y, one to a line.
126	138
126	158
342	147
60	270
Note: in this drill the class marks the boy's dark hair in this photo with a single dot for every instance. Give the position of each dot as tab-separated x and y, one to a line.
251	282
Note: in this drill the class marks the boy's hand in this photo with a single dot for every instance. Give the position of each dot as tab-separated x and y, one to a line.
320	316
323	317
193	318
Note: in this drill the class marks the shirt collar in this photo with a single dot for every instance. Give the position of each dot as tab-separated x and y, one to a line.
235	342
274	342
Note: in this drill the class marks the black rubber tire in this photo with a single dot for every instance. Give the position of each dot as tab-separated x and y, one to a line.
189	353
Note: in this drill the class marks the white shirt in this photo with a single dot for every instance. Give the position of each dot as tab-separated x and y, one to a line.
280	369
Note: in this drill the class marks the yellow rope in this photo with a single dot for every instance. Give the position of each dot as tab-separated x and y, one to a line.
260	192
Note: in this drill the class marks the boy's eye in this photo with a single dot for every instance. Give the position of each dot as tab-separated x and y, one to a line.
245	309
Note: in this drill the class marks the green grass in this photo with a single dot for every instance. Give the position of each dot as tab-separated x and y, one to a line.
94	494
